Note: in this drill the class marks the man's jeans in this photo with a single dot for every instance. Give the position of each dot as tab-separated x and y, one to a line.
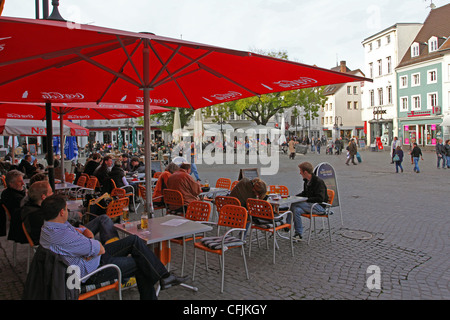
134	258
104	226
299	208
439	161
416	164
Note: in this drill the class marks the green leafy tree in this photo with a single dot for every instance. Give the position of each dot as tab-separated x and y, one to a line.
166	118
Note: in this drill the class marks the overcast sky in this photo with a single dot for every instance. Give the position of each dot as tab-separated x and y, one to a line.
319	32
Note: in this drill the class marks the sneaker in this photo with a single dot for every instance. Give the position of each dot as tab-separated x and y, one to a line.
297	236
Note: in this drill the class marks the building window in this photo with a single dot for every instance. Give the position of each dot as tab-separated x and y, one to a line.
433	44
372	98
378	43
323	120
349	90
389	94
371	70
389	64
380	96
403	82
380	67
415	103
355	105
415	80
355	90
415	50
331	107
349	105
388	39
432	100
404	104
432	76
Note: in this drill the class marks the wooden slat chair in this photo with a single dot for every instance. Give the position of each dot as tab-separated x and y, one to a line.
196	211
265	221
233	218
312	216
174	198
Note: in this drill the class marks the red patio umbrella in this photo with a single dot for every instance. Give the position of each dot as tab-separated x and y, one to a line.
64	62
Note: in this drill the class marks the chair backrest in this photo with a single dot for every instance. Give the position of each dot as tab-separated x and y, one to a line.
81	181
4	182
234	184
198	211
330	196
223	183
8	214
30	241
70	177
157	174
85	175
142	191
173	197
259	209
224	200
115	207
113	184
118	192
232	216
92	183
283	190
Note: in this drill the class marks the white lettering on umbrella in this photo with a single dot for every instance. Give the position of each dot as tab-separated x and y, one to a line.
2	45
19	116
78	117
303	81
154	101
57	95
226	96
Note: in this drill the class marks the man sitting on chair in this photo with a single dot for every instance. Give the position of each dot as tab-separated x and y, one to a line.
130	254
181	180
315	190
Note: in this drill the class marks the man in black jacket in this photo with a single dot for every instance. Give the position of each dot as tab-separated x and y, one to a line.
315	190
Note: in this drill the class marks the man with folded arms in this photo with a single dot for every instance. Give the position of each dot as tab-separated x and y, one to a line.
78	247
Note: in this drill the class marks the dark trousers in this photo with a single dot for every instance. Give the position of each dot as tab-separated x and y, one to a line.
134	258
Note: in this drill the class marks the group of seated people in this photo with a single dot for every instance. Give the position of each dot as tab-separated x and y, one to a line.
46	220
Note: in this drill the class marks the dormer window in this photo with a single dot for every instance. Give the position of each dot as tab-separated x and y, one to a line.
433	44
415	50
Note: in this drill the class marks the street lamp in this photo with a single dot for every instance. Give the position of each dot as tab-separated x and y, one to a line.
336	126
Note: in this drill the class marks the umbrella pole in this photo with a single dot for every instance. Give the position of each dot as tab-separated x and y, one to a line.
61	145
51	169
147	140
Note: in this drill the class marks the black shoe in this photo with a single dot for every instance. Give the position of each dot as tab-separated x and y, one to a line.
347	163
298	236
171	280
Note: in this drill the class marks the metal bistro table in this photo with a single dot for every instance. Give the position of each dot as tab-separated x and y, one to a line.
161	230
213	192
285	203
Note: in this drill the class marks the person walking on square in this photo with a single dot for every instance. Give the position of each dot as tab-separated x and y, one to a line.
447	152
395	144
398	158
352	150
292	149
440	154
416	153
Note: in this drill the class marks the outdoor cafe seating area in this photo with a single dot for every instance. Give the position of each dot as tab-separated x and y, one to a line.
226	224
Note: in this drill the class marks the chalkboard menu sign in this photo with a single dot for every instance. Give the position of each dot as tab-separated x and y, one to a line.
250	173
326	172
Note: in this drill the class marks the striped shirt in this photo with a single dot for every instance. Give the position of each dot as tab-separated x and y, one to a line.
74	248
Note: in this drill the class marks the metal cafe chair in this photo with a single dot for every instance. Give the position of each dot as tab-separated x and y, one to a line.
263	219
196	211
312	216
233	218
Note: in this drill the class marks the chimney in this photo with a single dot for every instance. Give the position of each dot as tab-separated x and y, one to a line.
343	67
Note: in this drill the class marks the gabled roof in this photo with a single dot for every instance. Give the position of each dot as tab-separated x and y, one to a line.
436	24
333	88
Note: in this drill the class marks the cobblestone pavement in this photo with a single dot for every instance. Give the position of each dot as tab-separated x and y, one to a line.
397	222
